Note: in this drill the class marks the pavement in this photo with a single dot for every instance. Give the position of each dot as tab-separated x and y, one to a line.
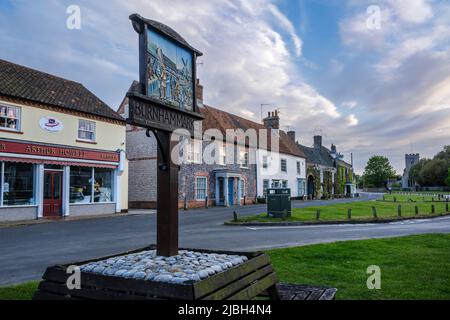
26	251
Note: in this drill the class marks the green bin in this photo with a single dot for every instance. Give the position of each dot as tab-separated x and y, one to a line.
279	202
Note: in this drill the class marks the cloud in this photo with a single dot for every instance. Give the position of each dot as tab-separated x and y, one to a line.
412	11
350	104
351	120
401	80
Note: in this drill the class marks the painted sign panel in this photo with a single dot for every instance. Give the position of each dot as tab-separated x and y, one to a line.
150	115
59	152
169	72
51	124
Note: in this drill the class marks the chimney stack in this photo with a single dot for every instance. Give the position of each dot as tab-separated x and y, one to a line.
272	121
291	135
318	142
333	149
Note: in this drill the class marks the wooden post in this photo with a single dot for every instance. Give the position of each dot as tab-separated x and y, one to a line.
433	209
416	210
167	199
185	203
446	207
349	214
395	199
374	212
235	216
318	215
399	210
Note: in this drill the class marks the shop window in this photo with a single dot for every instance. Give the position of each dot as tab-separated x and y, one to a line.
80	185
103	185
9	118
201	183
86	130
89	185
284	183
18	182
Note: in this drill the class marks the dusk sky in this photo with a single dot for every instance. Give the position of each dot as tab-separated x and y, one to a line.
370	91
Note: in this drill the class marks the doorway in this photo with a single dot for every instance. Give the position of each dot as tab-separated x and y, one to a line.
231	191
311	186
52	193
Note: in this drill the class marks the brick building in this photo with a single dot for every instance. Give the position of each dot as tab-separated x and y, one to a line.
219	184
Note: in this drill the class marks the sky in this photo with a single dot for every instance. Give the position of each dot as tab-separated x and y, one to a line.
371	86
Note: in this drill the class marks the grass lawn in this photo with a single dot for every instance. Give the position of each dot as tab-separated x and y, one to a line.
415	267
360	211
406	198
21	292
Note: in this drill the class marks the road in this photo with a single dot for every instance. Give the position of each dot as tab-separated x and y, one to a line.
26	251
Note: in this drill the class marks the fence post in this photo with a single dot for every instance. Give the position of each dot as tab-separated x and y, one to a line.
235	216
318	215
374	212
433	209
417	210
384	198
399	210
395	199
185	203
446	207
349	213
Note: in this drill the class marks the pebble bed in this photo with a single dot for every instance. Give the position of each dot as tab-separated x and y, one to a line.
187	266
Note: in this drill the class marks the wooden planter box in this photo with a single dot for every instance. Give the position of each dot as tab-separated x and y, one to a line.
242	282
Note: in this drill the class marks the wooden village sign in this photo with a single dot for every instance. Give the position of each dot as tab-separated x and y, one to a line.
165	101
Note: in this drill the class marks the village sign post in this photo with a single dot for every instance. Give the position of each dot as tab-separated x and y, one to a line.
164	102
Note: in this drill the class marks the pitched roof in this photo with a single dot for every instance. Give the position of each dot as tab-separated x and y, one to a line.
218	119
23	83
321	157
221	120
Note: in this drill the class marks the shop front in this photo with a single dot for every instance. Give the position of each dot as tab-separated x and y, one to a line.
53	181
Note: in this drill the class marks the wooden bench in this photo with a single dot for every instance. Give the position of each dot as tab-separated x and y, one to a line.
303	292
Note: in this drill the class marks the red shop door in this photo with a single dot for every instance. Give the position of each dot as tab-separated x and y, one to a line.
52	193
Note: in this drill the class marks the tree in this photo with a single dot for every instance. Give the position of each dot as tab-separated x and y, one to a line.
448	178
434	173
378	170
414	172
